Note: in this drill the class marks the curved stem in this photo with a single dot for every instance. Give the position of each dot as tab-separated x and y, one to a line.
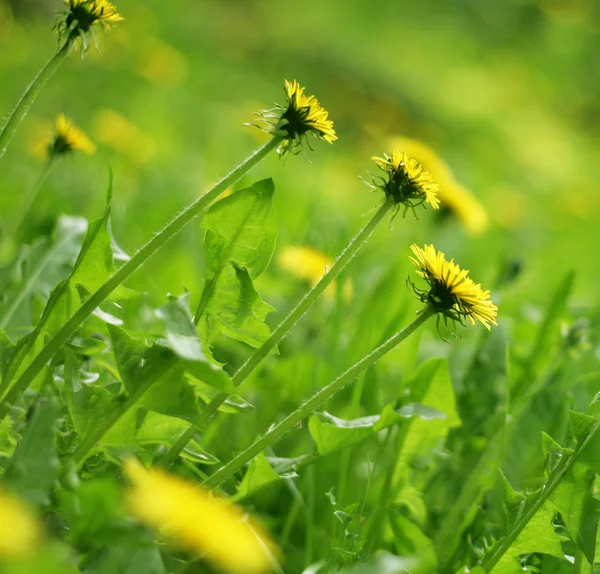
306	408
281	331
555	478
31	93
176	225
15	222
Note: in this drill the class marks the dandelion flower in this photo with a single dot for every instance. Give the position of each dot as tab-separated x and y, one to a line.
19	530
452	194
309	264
68	138
407	182
82	15
302	115
198	521
452	292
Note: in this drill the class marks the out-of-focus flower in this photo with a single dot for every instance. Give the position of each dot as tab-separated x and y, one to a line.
19	529
162	64
407	183
308	264
68	138
48	141
301	116
452	293
197	520
81	16
452	194
122	135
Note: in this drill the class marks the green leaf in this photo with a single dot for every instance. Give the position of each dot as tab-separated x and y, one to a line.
259	474
183	340
238	308
94	265
242	228
331	433
409	540
33	467
431	386
127	560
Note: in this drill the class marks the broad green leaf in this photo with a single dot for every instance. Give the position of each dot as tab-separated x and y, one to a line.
238	308
409	540
183	340
242	228
259	474
51	557
161	429
36	270
93	266
431	386
331	433
537	536
33	467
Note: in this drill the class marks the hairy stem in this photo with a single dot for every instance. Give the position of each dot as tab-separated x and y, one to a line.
158	241
283	328
309	406
31	93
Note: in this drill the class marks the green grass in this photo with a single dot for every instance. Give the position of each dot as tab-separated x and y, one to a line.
478	454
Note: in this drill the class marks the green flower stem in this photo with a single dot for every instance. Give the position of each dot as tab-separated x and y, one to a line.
32	92
554	480
124	272
309	406
15	222
280	332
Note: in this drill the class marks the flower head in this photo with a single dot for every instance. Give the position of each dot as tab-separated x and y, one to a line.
452	292
309	264
67	138
198	521
300	116
19	530
407	181
82	16
453	196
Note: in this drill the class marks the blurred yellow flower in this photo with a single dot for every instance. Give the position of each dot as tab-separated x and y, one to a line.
81	16
68	138
302	115
408	182
19	529
162	64
452	194
308	264
452	292
121	134
197	520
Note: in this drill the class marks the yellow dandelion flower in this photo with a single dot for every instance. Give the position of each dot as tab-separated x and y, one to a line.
302	115
82	15
19	530
309	264
407	182
198	521
68	138
452	194
452	292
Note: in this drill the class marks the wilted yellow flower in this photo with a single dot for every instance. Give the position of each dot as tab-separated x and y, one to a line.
82	15
452	292
19	529
198	521
407	182
308	264
67	138
452	194
302	115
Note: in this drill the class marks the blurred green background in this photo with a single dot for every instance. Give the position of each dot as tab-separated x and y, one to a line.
505	92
